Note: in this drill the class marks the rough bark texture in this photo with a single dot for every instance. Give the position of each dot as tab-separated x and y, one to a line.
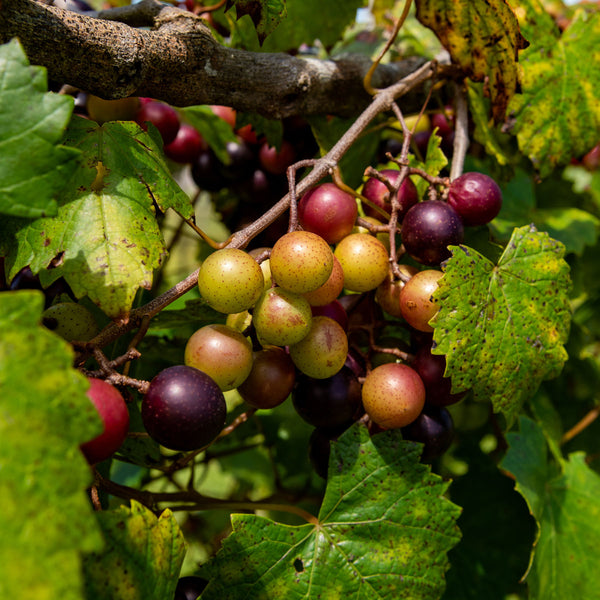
180	62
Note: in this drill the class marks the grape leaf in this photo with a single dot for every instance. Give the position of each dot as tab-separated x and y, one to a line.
105	240
557	116
142	558
45	415
33	167
502	327
565	506
383	532
483	37
435	161
265	14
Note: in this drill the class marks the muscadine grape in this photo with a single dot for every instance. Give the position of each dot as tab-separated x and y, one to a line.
322	352
334	310
230	280
329	402
226	113
271	379
281	317
393	395
187	145
190	587
431	369
331	289
222	352
276	161
162	116
301	261
364	260
416	303
434	428
476	198
378	193
183	409
327	211
388	293
428	229
72	321
121	109
205	172
115	419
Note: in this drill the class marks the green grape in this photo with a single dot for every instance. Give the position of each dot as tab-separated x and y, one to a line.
301	261
230	280
281	317
72	321
221	352
365	261
321	353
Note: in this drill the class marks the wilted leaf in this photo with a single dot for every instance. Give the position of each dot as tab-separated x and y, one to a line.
502	327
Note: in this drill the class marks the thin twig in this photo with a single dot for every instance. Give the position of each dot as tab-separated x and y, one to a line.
589	418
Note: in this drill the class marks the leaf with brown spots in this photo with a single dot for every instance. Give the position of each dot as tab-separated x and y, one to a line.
384	530
503	327
483	38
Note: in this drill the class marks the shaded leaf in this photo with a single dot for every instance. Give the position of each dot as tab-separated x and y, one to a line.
142	559
383	532
483	38
105	240
33	166
502	327
46	519
565	506
435	161
557	116
265	14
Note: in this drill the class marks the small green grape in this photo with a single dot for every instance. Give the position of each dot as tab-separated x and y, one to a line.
321	353
72	321
364	260
230	280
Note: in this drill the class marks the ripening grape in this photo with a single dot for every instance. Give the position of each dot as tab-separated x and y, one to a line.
364	260
301	261
115	420
221	352
393	395
476	197
416	303
162	116
183	409
378	193
331	289
281	317
271	379
388	293
121	109
322	352
187	145
230	280
334	310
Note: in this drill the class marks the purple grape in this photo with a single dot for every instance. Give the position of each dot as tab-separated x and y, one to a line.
183	409
476	198
190	587
378	193
434	428
428	229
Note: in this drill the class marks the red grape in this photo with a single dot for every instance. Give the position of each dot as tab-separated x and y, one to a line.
476	197
187	145
378	193
162	116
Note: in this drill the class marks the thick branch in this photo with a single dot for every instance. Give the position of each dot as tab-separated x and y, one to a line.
180	62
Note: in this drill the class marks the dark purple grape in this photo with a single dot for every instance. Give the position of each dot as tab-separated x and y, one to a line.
476	198
242	161
205	172
25	280
319	449
434	428
431	368
378	193
428	229
183	409
190	587
331	402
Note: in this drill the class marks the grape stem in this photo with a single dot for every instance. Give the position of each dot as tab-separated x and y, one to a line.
461	132
589	418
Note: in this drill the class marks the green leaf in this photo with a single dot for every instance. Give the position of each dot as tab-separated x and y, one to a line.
215	131
265	14
557	116
469	31
142	559
33	167
46	519
565	506
502	327
105	240
383	532
435	161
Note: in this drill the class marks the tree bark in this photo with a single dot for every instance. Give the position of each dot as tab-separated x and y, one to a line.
180	62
